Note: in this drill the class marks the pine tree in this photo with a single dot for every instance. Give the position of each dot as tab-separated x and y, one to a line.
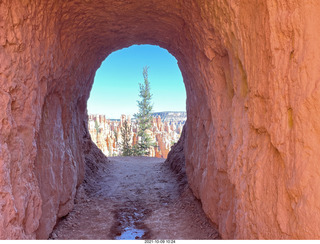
126	147
144	117
96	126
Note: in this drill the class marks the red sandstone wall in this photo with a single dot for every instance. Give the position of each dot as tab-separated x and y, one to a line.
251	75
258	164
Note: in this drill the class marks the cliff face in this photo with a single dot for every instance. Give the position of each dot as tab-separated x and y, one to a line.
251	74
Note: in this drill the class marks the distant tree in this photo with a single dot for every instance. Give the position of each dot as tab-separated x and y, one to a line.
144	117
96	126
126	147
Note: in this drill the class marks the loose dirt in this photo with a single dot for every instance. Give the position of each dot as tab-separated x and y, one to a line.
134	198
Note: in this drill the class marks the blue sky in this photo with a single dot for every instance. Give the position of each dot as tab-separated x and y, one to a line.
116	84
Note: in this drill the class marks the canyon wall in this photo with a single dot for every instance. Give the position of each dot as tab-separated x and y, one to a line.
251	77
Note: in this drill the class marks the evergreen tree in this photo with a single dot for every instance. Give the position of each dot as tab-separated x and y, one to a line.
126	147
144	117
115	133
96	126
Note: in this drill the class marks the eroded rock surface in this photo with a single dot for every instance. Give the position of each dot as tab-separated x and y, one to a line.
251	74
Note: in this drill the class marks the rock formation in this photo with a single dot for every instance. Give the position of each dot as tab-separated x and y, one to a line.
252	80
106	134
176	159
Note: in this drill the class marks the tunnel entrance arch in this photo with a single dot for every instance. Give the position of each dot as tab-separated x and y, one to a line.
174	32
82	51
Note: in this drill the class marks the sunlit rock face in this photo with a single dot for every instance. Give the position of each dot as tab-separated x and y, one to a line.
252	79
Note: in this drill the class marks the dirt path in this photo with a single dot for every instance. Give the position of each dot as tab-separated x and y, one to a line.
134	198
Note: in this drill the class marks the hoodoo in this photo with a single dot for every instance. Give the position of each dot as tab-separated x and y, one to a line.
251	71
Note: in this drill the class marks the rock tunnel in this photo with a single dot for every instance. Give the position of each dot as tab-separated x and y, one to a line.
252	80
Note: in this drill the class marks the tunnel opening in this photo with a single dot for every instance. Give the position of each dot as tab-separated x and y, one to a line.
64	117
131	211
63	140
112	105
